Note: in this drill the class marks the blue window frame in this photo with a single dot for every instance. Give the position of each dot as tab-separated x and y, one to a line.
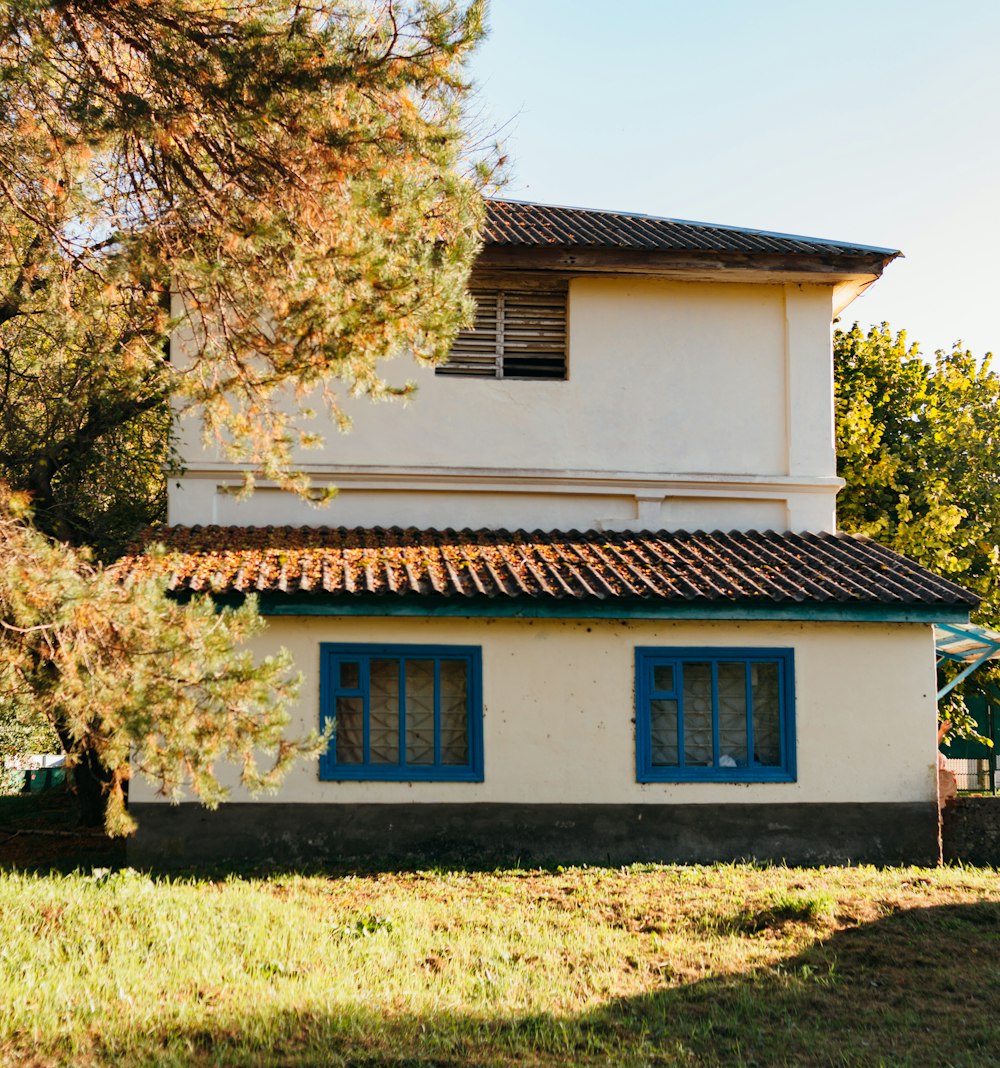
402	712
715	715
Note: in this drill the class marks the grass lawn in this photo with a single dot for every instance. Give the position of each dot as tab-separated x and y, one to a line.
669	965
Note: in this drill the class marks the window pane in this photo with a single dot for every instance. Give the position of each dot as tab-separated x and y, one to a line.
714	715
402	713
350	730
420	711
698	714
732	681
383	712
454	712
663	733
663	677
765	687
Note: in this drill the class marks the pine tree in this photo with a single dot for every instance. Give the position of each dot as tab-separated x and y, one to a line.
287	188
133	682
280	184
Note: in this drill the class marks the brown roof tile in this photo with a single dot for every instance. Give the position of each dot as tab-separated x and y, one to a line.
513	222
595	565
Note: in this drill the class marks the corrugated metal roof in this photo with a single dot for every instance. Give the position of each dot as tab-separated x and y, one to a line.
653	566
514	222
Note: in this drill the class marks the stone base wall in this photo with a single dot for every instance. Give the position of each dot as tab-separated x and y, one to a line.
488	835
970	830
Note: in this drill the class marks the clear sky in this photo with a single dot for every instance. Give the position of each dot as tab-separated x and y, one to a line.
874	122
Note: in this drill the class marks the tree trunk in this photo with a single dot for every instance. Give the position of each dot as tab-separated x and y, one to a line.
48	515
90	781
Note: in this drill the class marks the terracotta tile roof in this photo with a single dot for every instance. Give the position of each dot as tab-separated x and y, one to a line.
512	222
651	566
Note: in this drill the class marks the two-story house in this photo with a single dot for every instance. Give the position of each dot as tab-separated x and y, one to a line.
529	646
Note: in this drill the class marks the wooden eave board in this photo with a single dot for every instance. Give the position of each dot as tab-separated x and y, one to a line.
686	266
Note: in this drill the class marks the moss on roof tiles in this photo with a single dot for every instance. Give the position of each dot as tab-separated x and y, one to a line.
745	566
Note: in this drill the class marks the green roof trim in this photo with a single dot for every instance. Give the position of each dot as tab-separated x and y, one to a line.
530	608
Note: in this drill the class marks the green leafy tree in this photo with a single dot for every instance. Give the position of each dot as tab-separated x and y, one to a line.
133	682
20	734
918	443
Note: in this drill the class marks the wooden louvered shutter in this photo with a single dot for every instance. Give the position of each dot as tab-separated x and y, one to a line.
518	333
475	352
534	333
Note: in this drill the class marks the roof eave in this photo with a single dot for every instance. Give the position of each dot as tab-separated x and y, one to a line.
273	603
854	272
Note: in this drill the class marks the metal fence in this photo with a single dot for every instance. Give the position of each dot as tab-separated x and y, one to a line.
974	775
974	764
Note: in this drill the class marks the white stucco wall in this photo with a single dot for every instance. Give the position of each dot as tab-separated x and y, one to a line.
558	718
687	404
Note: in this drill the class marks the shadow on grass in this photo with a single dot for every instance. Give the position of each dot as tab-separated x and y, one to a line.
49	809
919	987
40	833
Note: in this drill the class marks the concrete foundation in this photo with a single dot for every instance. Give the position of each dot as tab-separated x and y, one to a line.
488	835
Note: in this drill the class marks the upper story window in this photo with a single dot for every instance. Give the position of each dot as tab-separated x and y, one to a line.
518	333
402	712
715	715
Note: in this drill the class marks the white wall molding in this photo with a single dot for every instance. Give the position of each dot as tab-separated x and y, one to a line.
435	497
525	480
